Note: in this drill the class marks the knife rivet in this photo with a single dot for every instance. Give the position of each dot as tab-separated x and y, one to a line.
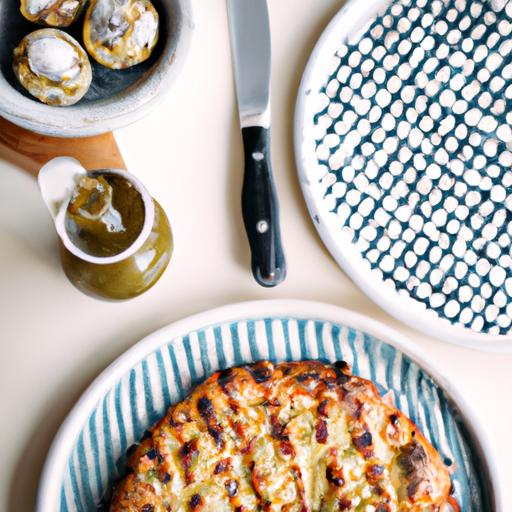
262	226
258	156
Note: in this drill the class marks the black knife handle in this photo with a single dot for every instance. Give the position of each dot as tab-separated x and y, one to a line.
260	209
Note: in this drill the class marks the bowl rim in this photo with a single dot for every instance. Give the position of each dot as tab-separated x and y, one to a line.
128	106
402	307
51	479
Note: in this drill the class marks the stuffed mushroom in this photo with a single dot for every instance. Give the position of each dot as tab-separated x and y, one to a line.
53	67
54	13
120	33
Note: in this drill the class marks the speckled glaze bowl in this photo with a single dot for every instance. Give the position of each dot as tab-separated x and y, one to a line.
403	138
116	98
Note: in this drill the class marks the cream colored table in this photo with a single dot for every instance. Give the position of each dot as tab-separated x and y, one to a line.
54	340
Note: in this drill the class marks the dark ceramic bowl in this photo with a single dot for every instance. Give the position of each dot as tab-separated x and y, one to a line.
116	98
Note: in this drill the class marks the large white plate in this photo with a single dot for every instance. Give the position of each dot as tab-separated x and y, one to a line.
447	277
87	454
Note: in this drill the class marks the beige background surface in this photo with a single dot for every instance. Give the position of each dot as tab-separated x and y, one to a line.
54	341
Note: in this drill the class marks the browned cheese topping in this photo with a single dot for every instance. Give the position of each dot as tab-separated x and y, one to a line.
296	437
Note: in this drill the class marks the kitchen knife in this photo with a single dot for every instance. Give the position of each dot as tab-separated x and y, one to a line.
250	37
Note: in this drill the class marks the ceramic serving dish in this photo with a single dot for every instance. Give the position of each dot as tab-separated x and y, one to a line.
116	98
403	141
88	452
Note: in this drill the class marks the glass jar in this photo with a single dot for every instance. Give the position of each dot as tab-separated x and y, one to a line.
116	277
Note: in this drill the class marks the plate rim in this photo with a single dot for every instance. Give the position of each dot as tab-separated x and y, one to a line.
48	495
402	307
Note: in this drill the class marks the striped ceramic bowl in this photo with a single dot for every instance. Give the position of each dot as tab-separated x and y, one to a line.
88	453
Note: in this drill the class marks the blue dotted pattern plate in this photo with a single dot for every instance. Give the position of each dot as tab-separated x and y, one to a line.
143	390
404	148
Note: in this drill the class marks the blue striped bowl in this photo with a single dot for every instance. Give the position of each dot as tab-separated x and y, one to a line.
88	453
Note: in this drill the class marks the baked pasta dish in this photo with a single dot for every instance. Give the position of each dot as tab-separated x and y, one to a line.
295	437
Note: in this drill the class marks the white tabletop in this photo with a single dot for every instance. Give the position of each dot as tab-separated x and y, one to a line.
54	340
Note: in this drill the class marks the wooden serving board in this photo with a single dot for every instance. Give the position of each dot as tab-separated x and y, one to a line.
30	151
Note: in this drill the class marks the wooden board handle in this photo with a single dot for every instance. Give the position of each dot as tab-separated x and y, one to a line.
30	151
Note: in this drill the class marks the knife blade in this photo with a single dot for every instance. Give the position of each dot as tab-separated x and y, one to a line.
251	48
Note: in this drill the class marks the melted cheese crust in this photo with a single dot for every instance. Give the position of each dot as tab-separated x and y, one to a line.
291	437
